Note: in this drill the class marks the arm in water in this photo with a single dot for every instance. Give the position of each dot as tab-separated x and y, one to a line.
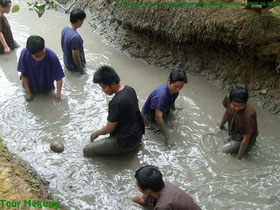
58	91
243	146
162	126
27	89
109	128
77	60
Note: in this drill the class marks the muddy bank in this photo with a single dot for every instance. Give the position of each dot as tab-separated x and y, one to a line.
20	186
226	45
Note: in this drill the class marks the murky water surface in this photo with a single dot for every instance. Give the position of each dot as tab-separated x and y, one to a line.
213	179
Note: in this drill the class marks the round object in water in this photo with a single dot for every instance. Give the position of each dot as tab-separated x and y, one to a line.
57	146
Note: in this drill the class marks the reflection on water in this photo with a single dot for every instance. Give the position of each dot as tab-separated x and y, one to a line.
196	164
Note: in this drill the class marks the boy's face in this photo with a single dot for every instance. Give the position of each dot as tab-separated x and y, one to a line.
237	106
7	8
106	89
39	55
175	87
140	189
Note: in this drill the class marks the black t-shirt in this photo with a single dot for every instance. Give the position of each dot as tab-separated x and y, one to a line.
123	108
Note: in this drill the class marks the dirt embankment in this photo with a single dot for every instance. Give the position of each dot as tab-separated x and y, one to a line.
20	186
225	44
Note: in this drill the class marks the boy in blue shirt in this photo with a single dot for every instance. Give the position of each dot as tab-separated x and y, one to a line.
162	99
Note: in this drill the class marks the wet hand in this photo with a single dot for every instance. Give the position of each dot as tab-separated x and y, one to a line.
93	136
28	97
57	99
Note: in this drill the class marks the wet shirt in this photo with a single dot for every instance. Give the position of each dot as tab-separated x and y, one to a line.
40	74
171	197
244	121
7	33
160	99
71	40
123	108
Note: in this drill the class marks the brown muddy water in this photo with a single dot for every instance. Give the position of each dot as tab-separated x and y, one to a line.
196	164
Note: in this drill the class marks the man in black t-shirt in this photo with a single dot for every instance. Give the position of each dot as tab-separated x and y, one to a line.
124	122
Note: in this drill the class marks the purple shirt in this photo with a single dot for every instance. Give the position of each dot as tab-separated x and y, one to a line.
71	40
40	74
160	99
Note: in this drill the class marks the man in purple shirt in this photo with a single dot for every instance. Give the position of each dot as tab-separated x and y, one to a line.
162	99
72	43
159	194
39	67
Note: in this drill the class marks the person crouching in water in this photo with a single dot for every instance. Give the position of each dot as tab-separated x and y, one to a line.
124	122
162	99
242	122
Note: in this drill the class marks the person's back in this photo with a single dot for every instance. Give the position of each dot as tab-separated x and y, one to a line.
129	128
71	40
72	43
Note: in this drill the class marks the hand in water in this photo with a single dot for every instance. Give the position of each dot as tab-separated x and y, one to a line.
28	97
169	143
57	99
93	136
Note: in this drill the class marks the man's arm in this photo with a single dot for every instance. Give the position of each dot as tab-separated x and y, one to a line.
243	146
58	87
77	60
27	89
224	119
159	120
109	128
139	199
4	43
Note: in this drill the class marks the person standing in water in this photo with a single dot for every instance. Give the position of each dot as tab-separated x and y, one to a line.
242	122
7	43
72	43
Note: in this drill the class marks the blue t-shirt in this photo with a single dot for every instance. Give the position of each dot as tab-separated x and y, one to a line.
40	74
160	99
71	40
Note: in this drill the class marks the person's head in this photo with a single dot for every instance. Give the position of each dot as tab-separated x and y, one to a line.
77	16
238	98
149	178
107	78
36	46
5	6
176	80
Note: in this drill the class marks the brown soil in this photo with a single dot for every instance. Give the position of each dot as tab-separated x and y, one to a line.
19	183
227	45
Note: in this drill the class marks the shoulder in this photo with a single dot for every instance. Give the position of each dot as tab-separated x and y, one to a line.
249	111
24	52
160	91
51	53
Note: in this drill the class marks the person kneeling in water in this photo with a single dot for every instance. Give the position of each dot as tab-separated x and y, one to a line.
242	122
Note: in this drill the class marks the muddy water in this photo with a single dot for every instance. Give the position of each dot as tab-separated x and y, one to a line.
196	164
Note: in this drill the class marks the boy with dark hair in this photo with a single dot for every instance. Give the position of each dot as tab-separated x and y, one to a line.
242	122
159	194
124	122
7	43
72	43
162	99
39	67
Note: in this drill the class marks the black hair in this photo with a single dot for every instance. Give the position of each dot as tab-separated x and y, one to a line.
77	14
5	3
238	94
35	44
149	177
107	75
178	75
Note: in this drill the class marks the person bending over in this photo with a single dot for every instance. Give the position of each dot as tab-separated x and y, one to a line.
72	43
39	67
124	122
159	194
242	122
162	99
